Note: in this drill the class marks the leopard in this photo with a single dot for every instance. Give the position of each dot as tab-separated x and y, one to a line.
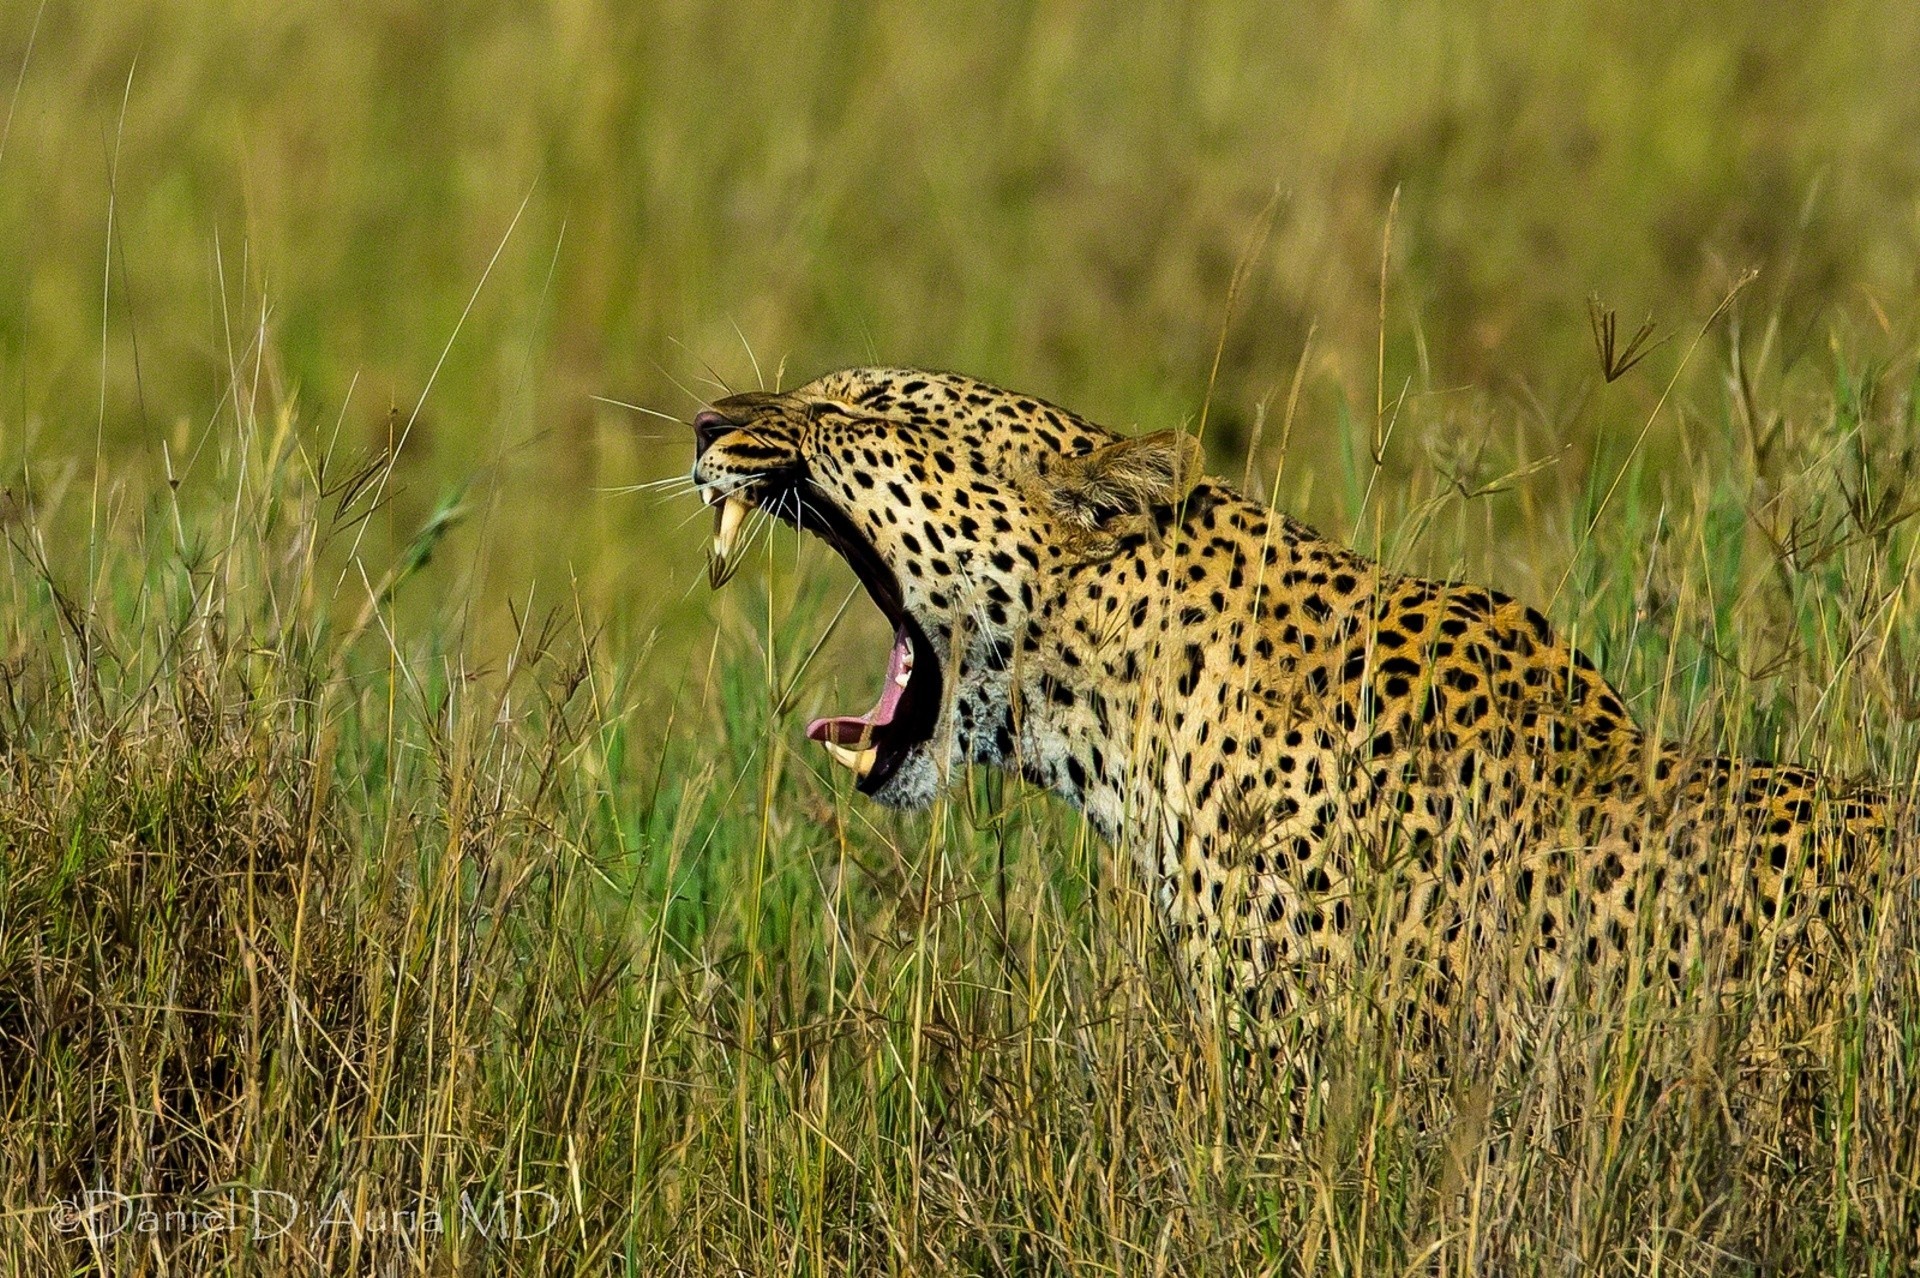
1314	764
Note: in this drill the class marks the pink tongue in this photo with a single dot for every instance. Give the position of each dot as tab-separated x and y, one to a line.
858	729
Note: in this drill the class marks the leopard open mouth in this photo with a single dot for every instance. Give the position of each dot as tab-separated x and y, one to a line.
874	744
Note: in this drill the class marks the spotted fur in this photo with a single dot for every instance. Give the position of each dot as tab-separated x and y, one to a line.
1270	723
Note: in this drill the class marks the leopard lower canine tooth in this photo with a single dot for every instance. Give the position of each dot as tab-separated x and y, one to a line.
861	761
726	530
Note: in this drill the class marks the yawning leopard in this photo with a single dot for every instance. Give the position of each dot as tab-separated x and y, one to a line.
1271	725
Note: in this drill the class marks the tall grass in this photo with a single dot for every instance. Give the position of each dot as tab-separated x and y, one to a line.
307	921
405	865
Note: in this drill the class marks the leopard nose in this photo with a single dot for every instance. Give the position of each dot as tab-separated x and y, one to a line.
707	427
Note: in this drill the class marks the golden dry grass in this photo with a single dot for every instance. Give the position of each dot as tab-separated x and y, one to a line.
388	816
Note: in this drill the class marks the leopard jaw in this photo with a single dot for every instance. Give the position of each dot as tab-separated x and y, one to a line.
859	761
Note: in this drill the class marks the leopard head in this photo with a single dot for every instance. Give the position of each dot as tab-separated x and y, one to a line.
960	507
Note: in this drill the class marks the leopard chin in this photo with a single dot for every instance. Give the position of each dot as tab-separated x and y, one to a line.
915	783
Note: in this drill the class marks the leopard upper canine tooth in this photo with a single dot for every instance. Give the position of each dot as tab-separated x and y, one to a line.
726	526
726	530
861	761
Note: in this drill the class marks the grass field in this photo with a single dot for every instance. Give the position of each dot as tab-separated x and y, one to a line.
407	864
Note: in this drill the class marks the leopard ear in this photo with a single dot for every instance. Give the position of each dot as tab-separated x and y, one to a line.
1120	482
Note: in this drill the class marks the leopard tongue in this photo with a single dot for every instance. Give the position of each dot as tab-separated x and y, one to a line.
842	731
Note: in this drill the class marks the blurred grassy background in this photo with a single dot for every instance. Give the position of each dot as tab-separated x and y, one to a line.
305	198
320	872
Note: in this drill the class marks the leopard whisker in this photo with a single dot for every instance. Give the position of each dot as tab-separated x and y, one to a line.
638	408
687	484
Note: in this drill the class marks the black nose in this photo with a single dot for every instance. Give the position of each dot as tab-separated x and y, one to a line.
707	427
